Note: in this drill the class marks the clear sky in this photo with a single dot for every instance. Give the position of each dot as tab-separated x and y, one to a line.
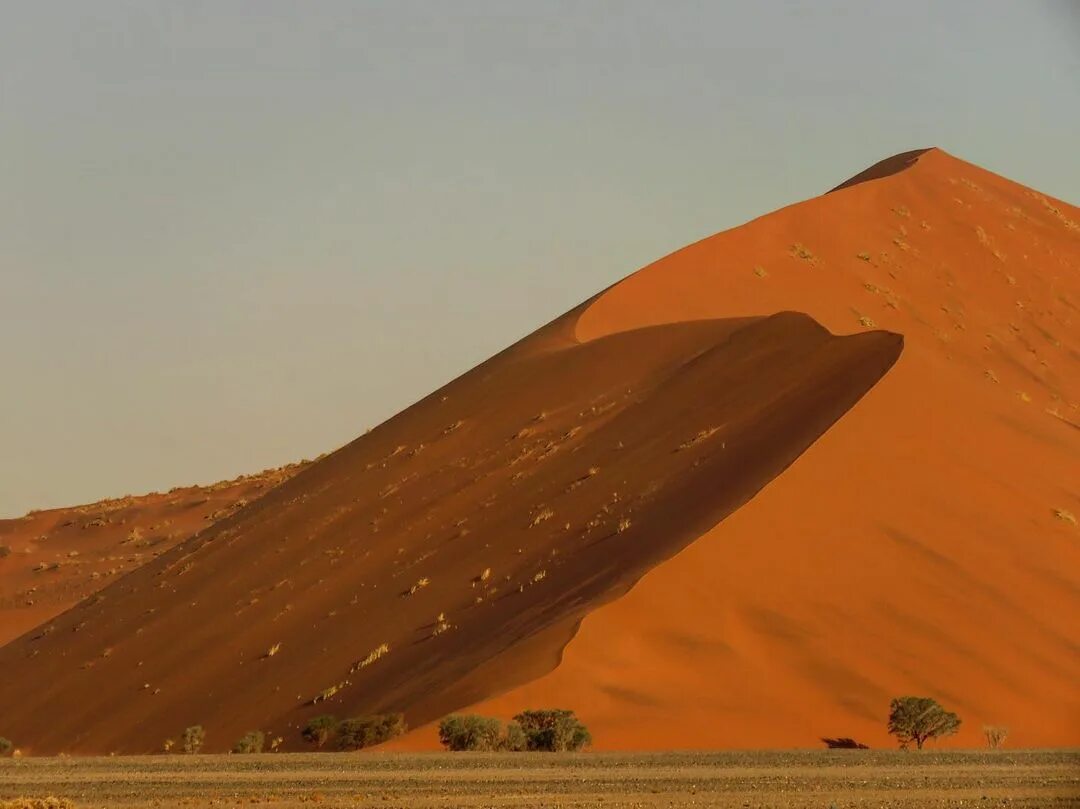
236	234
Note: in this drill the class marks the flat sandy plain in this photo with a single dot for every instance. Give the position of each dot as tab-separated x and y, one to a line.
731	779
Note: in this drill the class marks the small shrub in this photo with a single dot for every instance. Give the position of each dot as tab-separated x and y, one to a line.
368	731
250	742
4	551
470	732
320	729
193	738
995	735
916	719
6	747
553	730
168	745
844	743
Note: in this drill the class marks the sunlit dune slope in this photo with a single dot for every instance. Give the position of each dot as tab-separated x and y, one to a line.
450	553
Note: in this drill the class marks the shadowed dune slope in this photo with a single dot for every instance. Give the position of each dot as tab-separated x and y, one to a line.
927	543
450	553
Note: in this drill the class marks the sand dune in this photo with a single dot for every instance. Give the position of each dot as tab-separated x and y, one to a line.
746	538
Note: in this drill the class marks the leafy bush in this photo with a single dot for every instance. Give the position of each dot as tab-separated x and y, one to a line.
4	551
553	730
250	742
193	738
320	729
916	719
6	747
514	738
367	731
470	732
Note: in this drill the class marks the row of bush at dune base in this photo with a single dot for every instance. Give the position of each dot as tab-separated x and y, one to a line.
913	721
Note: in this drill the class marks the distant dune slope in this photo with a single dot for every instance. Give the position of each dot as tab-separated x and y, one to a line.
614	481
51	560
473	530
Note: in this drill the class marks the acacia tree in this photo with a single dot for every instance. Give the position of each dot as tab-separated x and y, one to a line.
470	732
553	730
916	719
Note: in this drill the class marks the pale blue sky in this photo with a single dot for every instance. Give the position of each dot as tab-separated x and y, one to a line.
236	234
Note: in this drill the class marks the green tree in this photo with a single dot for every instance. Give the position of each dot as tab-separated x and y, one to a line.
367	731
320	729
553	730
193	738
916	719
470	732
250	742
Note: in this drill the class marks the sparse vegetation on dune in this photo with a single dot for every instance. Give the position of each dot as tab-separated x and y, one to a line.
37	803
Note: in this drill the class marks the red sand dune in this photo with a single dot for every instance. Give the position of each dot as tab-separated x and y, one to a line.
921	539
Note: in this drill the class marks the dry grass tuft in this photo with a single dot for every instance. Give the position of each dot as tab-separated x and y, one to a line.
37	803
543	515
1065	516
697	439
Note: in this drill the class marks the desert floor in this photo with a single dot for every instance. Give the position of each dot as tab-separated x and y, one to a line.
731	779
